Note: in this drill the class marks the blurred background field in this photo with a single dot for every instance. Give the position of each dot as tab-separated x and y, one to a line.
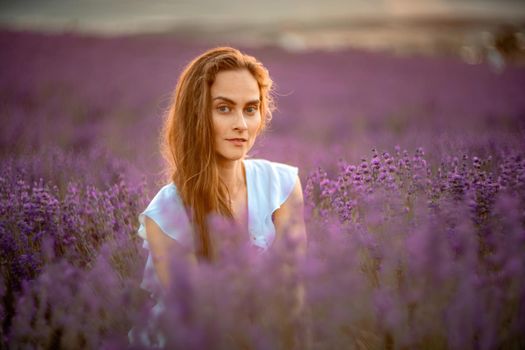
83	90
353	75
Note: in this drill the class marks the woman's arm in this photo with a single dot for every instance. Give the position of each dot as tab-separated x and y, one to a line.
289	218
162	249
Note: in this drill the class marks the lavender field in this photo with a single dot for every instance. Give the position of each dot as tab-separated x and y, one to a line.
413	172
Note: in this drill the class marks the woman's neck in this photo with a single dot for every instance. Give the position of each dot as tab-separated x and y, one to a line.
232	174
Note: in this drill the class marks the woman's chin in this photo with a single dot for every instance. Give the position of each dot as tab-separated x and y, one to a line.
231	157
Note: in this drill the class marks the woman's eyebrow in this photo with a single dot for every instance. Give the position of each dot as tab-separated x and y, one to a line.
233	102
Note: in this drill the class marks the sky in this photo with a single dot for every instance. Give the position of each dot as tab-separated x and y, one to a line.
140	16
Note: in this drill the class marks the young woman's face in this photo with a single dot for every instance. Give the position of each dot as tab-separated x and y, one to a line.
235	113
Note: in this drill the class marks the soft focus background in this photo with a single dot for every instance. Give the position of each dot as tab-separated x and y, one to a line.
386	106
358	74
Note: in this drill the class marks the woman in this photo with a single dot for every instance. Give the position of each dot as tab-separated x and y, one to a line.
222	102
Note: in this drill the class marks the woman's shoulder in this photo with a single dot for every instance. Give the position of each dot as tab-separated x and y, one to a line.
166	191
166	200
168	212
271	167
272	180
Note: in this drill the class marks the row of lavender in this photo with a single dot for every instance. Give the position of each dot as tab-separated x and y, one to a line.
401	253
57	210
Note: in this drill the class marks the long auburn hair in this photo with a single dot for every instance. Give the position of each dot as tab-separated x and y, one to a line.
187	137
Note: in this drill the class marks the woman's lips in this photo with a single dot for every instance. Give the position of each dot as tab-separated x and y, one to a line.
237	141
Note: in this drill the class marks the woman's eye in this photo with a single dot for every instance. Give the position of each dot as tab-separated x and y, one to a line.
223	109
252	109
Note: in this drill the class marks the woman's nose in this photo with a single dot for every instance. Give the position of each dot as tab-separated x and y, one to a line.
240	122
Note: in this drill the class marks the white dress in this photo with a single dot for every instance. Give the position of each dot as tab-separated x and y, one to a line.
268	186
